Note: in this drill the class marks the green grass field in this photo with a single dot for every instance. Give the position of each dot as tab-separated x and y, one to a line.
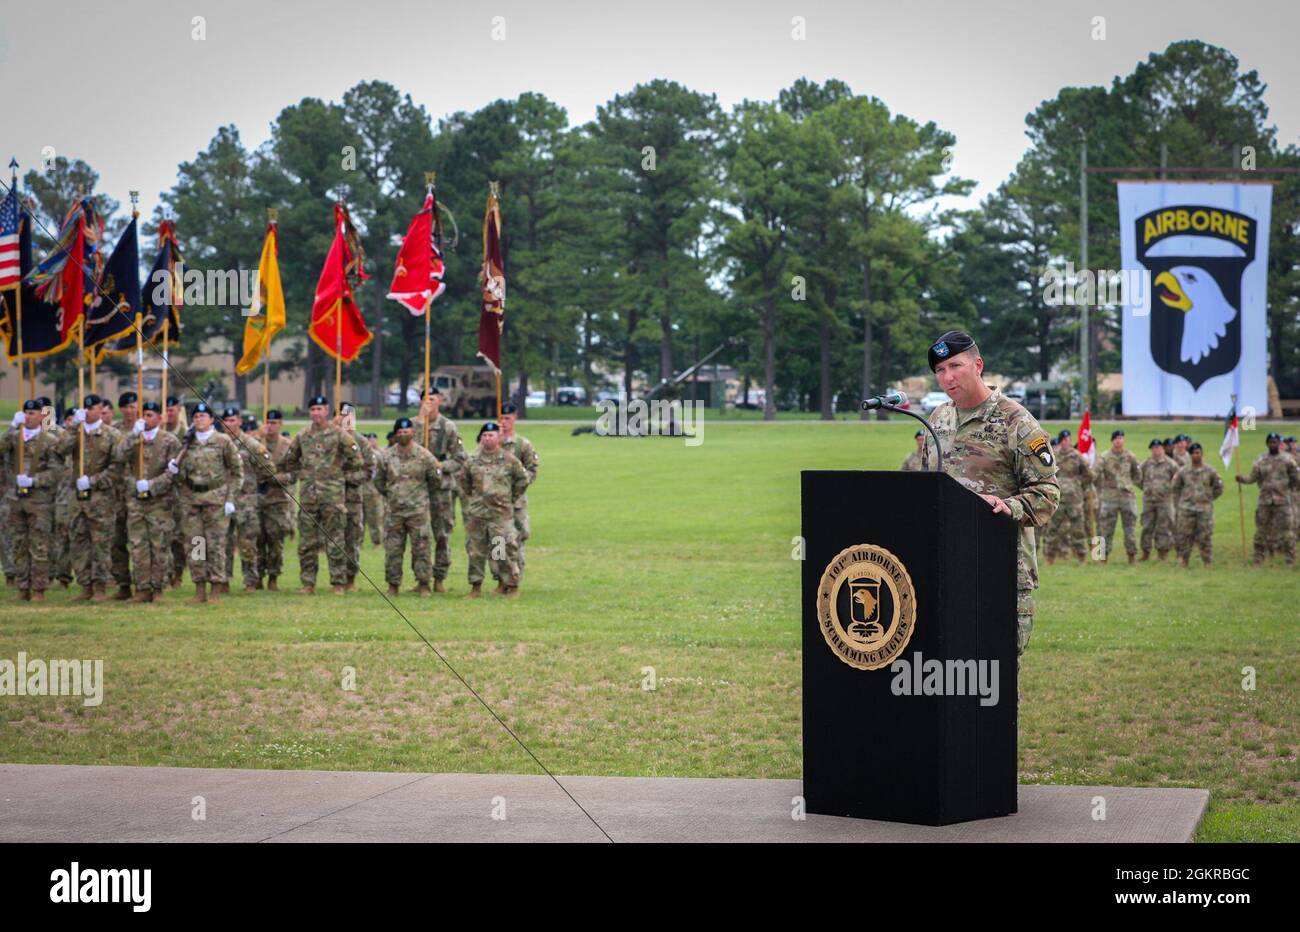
650	553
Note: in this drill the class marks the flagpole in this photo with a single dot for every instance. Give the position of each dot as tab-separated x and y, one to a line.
139	385
1241	495
272	222
18	310
81	396
166	328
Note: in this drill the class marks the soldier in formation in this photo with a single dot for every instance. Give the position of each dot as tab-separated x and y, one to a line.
372	498
1118	474
1196	487
210	475
93	477
245	530
913	461
1156	479
150	488
408	476
1068	534
30	455
492	481
355	482
274	504
445	444
1279	479
523	451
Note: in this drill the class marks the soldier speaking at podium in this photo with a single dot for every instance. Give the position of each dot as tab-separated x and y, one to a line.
995	448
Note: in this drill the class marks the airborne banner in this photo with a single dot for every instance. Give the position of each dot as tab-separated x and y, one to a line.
1197	334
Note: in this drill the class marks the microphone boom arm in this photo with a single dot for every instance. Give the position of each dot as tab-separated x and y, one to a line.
938	450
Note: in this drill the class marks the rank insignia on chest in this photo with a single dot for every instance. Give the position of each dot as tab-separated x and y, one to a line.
1040	448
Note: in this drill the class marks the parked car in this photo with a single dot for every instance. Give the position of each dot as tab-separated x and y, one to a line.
535	400
393	395
932	400
571	395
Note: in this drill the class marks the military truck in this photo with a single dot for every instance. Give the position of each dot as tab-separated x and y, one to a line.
466	390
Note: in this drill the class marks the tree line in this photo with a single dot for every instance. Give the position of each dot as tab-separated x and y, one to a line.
807	234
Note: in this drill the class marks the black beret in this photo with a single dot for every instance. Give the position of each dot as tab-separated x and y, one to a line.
400	423
948	345
1178	437
152	406
275	414
201	408
1273	436
106	402
1116	433
1168	442
1062	435
1288	440
172	401
919	433
1156	443
389	436
1195	446
229	412
249	423
44	401
127	398
432	391
31	404
92	399
488	425
317	400
509	408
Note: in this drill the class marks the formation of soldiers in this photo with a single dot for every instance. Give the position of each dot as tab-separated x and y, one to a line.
129	506
1178	493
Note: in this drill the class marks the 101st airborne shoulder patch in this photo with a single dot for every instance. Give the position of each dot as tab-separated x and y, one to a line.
1041	447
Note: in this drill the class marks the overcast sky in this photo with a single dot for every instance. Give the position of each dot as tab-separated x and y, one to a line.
975	68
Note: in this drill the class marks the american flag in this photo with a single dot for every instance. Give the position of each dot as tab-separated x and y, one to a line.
9	258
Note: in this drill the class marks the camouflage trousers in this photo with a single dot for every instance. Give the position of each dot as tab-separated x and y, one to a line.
1195	527
60	551
1111	509
1157	524
322	526
121	554
150	532
6	541
523	531
374	508
29	528
178	538
442	519
397	528
1024	621
354	535
274	527
90	535
206	527
492	539
1067	534
243	534
1273	531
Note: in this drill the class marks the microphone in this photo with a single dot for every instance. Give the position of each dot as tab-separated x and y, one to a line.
880	401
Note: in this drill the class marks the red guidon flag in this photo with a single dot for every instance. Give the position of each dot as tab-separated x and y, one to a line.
417	279
492	281
336	322
1084	446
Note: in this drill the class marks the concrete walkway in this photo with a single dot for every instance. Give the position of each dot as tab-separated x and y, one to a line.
60	803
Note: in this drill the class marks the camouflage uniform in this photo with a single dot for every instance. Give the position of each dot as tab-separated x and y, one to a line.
6	539
149	520
274	505
491	484
1195	489
1181	459
356	481
1117	474
446	446
60	548
1068	530
31	517
1278	479
1156	480
245	529
179	549
524	451
407	478
997	448
322	457
912	463
373	500
120	556
210	474
94	519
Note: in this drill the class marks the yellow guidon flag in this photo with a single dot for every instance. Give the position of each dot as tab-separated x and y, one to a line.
265	316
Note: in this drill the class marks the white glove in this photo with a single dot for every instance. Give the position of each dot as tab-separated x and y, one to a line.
142	485
24	482
230	508
138	427
172	467
83	483
19	420
79	416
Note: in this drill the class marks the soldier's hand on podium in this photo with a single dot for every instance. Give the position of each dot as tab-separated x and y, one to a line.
999	506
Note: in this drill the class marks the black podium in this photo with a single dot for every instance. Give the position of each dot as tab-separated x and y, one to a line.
910	567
